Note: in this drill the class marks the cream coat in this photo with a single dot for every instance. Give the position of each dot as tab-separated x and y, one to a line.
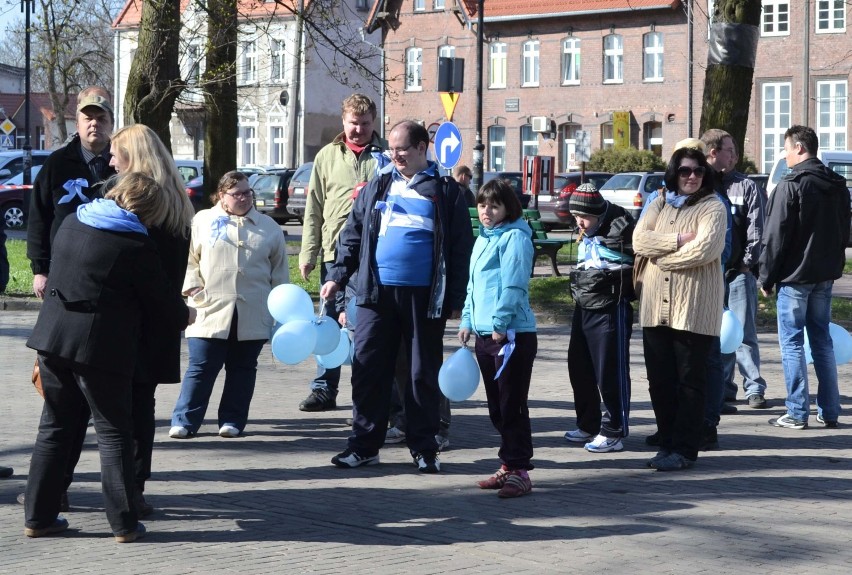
682	288
239	269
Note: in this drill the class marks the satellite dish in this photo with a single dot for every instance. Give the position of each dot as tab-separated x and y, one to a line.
284	97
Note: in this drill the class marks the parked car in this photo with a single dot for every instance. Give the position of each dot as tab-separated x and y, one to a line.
298	190
271	195
554	209
190	169
12	163
760	179
195	191
514	178
630	190
12	196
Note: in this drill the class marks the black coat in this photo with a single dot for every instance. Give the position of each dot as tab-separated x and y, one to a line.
45	213
100	288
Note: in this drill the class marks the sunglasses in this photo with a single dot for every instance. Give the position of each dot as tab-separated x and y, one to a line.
685	171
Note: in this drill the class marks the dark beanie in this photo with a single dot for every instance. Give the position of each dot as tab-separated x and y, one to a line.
587	201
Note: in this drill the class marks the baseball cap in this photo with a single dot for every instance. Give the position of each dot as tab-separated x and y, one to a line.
96	101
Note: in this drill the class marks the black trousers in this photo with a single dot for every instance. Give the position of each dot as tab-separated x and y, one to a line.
144	424
676	362
67	386
402	375
507	395
599	368
399	317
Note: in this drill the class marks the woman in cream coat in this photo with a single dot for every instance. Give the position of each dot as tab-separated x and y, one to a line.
683	235
237	255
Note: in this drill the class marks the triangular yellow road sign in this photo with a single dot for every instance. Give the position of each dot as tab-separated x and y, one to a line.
449	100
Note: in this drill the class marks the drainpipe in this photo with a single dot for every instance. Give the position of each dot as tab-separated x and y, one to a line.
294	153
806	58
689	69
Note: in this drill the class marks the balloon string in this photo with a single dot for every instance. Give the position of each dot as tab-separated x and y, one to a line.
321	308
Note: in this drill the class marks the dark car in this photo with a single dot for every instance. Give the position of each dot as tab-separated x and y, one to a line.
12	196
554	210
514	178
760	179
271	195
298	190
195	191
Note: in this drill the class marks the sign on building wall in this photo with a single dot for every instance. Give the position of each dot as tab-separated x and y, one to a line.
621	129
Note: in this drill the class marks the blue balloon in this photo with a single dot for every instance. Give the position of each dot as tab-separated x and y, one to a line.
841	341
732	332
328	335
340	353
459	376
294	341
288	302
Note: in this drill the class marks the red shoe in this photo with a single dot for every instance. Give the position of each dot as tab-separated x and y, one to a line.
517	483
496	481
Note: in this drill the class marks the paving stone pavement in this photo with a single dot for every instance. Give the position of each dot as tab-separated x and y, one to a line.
270	502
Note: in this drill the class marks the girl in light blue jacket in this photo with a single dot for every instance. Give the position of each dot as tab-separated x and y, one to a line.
497	311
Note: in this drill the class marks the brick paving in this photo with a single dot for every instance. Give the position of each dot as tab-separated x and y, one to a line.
270	502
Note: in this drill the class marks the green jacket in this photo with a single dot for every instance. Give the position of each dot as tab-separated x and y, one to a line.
335	174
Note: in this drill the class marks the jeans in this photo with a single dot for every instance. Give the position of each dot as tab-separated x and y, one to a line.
808	306
329	378
68	388
742	300
206	358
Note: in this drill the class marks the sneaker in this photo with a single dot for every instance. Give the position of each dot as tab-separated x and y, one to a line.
6	472
517	484
661	454
788	422
577	436
653	440
351	458
229	431
756	401
603	444
496	481
728	409
443	442
58	526
320	399
133	535
179	432
672	462
831	423
427	462
394	435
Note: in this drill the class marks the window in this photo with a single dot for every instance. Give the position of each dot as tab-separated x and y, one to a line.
361	5
529	141
193	63
419	5
529	64
439	4
568	147
831	114
247	140
776	18
447	52
653	57
496	148
831	16
276	144
248	62
414	69
613	59
279	60
653	136
775	119
571	61
498	52
607	140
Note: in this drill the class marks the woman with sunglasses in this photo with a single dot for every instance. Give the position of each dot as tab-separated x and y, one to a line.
236	256
682	234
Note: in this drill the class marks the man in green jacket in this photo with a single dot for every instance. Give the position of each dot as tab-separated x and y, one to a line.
353	157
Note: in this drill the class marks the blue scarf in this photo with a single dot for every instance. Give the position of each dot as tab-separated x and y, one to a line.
674	200
107	215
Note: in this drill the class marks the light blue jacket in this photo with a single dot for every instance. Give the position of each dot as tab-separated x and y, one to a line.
498	289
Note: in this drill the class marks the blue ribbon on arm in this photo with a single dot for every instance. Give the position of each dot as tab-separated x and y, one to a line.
75	190
506	351
219	229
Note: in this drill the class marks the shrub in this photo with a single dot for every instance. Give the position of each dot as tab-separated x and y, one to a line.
625	160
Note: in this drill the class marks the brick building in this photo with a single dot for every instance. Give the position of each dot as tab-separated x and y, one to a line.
617	69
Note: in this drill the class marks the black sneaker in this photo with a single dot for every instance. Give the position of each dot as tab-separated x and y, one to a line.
351	458
319	400
427	462
830	423
757	401
728	409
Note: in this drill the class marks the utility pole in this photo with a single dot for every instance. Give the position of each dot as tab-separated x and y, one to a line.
479	147
28	149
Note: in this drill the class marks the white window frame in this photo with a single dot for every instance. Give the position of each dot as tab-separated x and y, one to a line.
775	18
529	141
247	139
194	63
571	58
277	60
530	58
414	70
276	120
569	145
775	117
248	61
496	149
832	102
447	51
653	57
498	54
419	5
613	56
439	4
607	135
830	16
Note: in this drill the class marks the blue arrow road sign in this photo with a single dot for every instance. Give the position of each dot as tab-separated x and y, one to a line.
448	145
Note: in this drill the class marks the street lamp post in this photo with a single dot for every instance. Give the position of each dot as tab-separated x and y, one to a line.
479	147
28	149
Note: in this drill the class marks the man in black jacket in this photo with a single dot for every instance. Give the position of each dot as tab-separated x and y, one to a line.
804	243
408	236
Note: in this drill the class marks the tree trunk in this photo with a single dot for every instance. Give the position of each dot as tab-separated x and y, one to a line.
220	97
730	69
155	81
